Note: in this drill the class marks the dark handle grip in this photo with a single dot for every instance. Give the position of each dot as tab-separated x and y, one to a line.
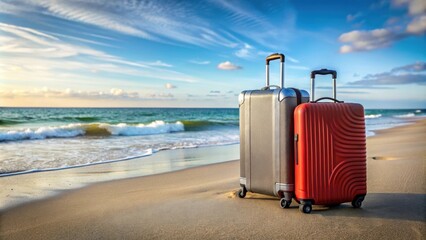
275	56
327	98
324	72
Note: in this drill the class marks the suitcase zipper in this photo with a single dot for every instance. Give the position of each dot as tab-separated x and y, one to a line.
296	139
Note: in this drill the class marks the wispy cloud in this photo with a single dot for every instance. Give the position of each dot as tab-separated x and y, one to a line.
23	40
291	59
228	66
352	17
408	74
174	22
171	21
361	87
40	56
113	93
392	80
415	67
161	95
297	67
249	18
199	62
159	63
353	92
45	92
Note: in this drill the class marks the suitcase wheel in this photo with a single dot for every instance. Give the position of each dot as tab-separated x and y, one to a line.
357	202
285	203
242	192
305	208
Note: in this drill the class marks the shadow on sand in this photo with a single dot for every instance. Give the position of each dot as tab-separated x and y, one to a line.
397	206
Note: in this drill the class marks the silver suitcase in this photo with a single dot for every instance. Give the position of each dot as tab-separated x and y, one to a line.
267	137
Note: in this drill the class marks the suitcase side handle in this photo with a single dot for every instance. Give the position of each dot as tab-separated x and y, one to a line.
272	57
323	72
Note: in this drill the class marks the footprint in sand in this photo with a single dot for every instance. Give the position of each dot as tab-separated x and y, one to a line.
385	158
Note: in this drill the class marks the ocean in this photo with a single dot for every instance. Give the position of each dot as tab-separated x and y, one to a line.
43	139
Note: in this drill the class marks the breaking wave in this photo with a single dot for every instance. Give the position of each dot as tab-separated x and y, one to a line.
373	116
93	129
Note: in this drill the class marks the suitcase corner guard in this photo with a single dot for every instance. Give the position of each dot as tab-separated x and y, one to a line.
285	187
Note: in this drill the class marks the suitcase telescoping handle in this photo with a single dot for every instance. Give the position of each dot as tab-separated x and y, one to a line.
272	57
323	72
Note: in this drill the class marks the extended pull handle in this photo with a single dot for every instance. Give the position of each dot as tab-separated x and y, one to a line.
322	72
272	57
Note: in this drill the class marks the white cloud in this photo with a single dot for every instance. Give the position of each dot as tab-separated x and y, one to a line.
367	40
245	51
228	66
415	7
169	86
417	26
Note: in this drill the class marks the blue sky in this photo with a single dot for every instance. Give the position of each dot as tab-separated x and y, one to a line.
204	53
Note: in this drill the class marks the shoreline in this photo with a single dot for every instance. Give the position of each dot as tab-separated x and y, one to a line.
24	188
149	152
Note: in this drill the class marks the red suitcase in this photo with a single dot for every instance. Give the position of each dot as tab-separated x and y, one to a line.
330	151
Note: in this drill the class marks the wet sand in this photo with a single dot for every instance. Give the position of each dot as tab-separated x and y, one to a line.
201	203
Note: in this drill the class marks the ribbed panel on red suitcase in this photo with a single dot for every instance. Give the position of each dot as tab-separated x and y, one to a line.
331	152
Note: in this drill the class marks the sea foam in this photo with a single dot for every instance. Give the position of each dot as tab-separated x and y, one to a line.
93	129
405	115
373	116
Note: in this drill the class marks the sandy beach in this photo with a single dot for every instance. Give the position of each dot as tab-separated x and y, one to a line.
201	203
